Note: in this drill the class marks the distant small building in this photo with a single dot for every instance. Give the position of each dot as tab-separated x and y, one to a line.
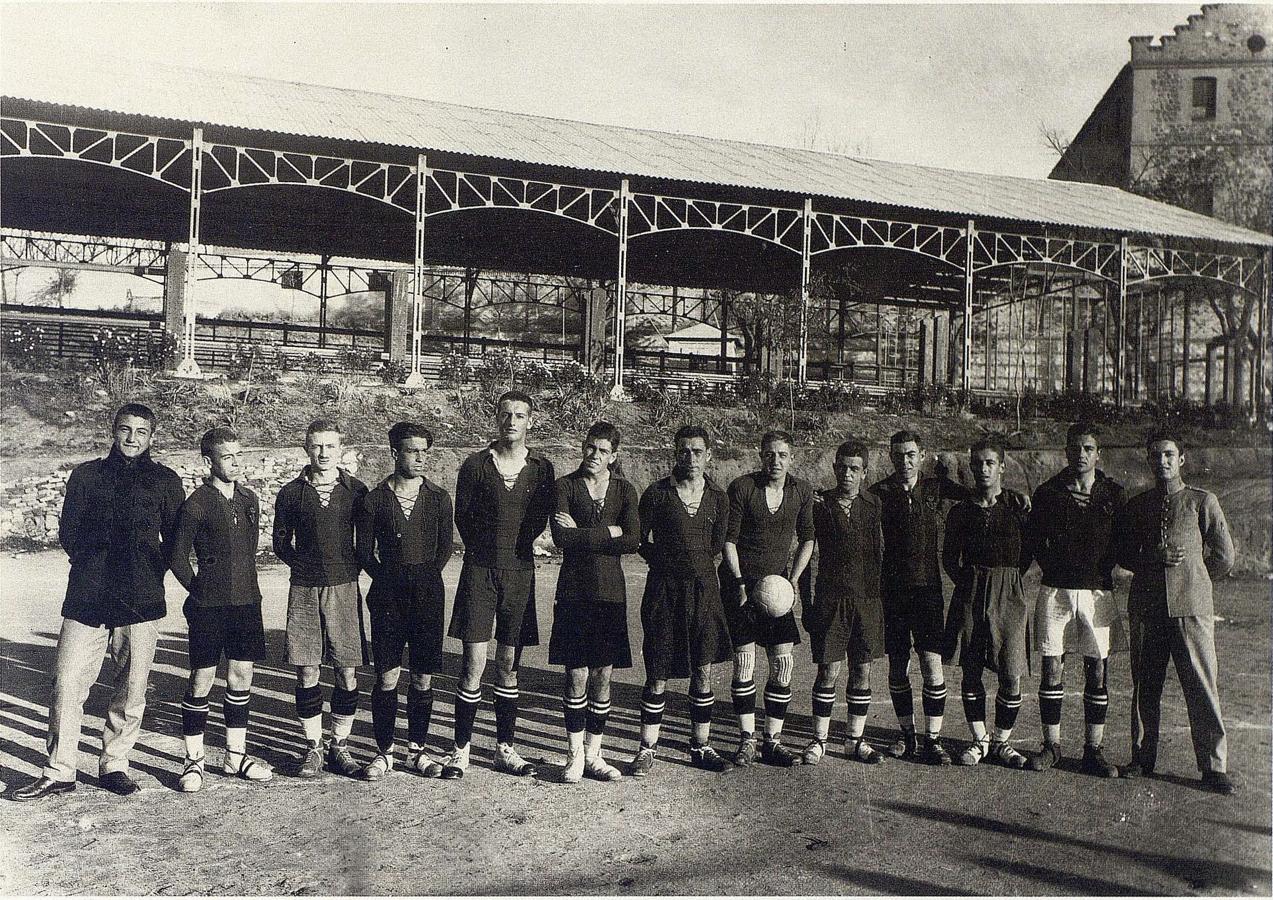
704	340
1189	120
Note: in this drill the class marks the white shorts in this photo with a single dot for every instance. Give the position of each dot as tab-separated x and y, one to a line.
1074	619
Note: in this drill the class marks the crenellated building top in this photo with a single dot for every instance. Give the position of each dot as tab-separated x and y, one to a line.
1221	33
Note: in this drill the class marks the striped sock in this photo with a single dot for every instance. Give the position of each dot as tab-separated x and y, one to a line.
777	699
466	703
823	707
575	710
309	709
1006	708
701	707
743	694
194	720
598	713
974	704
903	703
1051	699
934	702
859	705
236	707
506	700
344	704
1095	705
652	706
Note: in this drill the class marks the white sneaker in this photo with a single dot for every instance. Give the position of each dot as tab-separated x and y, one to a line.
455	765
601	770
509	761
572	772
426	765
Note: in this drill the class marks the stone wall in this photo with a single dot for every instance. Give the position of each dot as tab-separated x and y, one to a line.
29	508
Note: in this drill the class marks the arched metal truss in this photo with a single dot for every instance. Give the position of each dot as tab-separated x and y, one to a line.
200	167
143	258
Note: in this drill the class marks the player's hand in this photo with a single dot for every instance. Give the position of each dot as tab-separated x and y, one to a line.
742	593
564	520
615	531
1171	555
795	588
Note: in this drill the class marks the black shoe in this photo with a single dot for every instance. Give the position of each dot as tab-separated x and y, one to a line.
120	783
775	754
933	753
1094	763
706	757
1218	783
40	788
1046	758
906	747
1136	770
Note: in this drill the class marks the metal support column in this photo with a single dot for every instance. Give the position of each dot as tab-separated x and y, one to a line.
621	291
188	368
416	377
969	238
1120	356
802	363
1262	332
324	266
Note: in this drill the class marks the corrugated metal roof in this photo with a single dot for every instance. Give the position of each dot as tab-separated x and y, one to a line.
189	95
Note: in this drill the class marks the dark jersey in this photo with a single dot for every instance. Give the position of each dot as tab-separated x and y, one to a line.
389	539
764	539
1071	537
316	541
590	567
913	522
675	543
497	524
223	533
985	536
850	546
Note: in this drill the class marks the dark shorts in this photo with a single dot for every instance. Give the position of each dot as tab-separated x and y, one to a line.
839	627
590	635
324	624
236	631
683	625
747	625
913	616
990	624
495	602
408	612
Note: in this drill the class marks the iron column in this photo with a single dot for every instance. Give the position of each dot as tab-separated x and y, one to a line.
416	378
802	362
188	367
621	290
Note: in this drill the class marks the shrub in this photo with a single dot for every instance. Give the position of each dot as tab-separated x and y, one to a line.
25	343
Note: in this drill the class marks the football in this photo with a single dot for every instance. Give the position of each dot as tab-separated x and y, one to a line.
773	596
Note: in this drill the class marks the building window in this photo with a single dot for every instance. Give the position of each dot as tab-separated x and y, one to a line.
1204	99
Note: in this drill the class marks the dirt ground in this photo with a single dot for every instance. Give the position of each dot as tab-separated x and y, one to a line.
839	828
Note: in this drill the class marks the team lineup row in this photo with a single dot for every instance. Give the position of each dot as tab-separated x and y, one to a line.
725	566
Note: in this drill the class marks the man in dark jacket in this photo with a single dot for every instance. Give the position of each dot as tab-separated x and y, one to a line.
116	525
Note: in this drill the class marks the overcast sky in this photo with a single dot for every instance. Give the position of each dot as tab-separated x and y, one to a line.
959	86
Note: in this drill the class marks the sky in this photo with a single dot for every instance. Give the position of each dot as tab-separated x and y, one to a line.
963	86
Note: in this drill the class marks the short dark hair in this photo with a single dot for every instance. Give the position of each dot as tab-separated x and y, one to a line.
400	431
320	425
604	431
905	435
686	432
990	442
516	397
1083	429
215	437
777	434
853	447
1165	433
140	410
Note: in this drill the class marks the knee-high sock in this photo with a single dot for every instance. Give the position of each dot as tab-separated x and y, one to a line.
859	705
823	705
598	713
575	712
237	708
1006	708
974	697
1051	699
309	709
1095	705
652	705
743	694
903	703
506	701
194	720
777	699
384	716
466	703
701	705
344	704
934	702
419	714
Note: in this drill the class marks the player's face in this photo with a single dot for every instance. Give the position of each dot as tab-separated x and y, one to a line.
324	449
906	458
1165	460
133	435
849	473
225	462
512	420
775	459
598	454
692	456
987	468
408	457
1082	454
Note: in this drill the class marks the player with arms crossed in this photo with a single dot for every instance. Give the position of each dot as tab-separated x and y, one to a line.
989	615
220	523
314	522
683	522
845	617
769	511
503	498
1070	534
405	536
913	509
596	522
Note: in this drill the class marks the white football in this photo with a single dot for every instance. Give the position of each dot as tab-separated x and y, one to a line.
773	596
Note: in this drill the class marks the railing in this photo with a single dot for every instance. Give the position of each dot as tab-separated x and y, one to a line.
442	344
70	333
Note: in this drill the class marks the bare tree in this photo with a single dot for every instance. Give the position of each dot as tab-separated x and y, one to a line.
54	292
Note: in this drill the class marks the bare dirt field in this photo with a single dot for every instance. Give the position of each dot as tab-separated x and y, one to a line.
839	828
